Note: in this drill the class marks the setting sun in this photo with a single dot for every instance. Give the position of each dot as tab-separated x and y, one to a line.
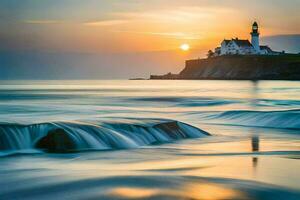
185	47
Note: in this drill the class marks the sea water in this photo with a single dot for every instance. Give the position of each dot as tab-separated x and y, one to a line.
118	139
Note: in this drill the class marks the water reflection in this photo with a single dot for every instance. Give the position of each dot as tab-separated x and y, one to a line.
132	193
255	148
193	190
255	137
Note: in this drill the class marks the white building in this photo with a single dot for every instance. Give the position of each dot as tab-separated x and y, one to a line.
236	46
244	47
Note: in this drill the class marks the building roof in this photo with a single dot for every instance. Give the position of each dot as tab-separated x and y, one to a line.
242	43
226	41
266	48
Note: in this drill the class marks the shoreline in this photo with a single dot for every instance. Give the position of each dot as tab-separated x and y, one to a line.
239	67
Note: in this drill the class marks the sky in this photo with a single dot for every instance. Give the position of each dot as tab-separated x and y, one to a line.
120	38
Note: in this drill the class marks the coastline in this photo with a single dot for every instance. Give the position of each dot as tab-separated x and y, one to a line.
238	67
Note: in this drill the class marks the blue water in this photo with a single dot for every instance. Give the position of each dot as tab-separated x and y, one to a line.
118	139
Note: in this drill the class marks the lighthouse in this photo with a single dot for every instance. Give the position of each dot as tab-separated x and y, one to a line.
255	38
244	47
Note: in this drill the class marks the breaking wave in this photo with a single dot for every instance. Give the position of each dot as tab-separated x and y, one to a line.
287	119
77	136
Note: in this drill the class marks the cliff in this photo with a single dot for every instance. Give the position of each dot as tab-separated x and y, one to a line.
237	67
169	76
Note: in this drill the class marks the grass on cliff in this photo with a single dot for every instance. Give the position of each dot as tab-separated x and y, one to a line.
283	57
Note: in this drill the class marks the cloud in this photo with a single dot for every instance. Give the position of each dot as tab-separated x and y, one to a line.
89	23
178	15
105	22
177	35
42	21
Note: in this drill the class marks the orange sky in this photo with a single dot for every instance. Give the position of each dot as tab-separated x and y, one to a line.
140	26
113	39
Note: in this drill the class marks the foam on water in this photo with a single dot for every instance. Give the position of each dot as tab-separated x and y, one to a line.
76	136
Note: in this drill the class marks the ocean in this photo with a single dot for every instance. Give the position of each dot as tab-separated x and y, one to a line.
144	139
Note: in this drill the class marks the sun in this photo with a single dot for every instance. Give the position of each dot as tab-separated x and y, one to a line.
184	47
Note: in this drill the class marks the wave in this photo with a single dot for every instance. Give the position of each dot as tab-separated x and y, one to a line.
76	136
279	103
146	187
287	119
187	101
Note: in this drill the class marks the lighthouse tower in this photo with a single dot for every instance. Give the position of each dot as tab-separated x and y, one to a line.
255	38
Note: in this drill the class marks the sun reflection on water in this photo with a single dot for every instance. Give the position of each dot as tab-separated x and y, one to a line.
189	191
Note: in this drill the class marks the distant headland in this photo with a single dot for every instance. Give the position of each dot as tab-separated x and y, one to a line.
239	59
240	67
